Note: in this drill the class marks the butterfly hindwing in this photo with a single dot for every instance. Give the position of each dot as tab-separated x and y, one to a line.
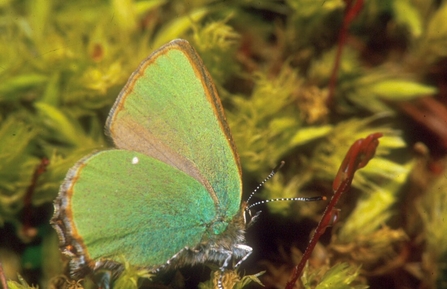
126	204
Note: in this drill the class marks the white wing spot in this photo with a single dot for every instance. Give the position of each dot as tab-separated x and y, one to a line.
135	160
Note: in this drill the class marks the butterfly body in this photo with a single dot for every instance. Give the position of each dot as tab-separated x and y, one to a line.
170	193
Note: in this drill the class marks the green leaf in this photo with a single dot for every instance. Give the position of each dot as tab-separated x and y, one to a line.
305	135
130	276
398	89
437	27
340	276
22	284
60	122
9	88
144	7
374	209
406	14
178	26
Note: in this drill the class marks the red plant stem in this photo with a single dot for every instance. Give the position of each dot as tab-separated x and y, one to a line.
359	154
40	169
351	11
3	283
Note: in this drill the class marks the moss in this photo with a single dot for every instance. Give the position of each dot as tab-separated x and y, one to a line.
63	63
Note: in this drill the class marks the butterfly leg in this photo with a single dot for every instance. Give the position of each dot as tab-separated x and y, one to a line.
103	279
228	254
247	250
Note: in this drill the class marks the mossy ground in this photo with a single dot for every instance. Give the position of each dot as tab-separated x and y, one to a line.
63	63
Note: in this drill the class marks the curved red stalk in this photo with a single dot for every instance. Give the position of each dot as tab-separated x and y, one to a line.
359	154
40	169
352	9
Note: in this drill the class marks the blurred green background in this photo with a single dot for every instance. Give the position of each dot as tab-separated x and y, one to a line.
63	63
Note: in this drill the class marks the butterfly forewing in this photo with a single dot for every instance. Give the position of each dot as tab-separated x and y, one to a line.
170	110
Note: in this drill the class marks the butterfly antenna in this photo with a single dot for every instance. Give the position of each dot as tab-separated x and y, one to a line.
272	173
302	199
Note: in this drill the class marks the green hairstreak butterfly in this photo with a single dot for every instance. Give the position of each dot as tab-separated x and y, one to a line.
170	193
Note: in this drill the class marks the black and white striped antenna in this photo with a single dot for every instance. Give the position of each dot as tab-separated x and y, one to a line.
272	173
